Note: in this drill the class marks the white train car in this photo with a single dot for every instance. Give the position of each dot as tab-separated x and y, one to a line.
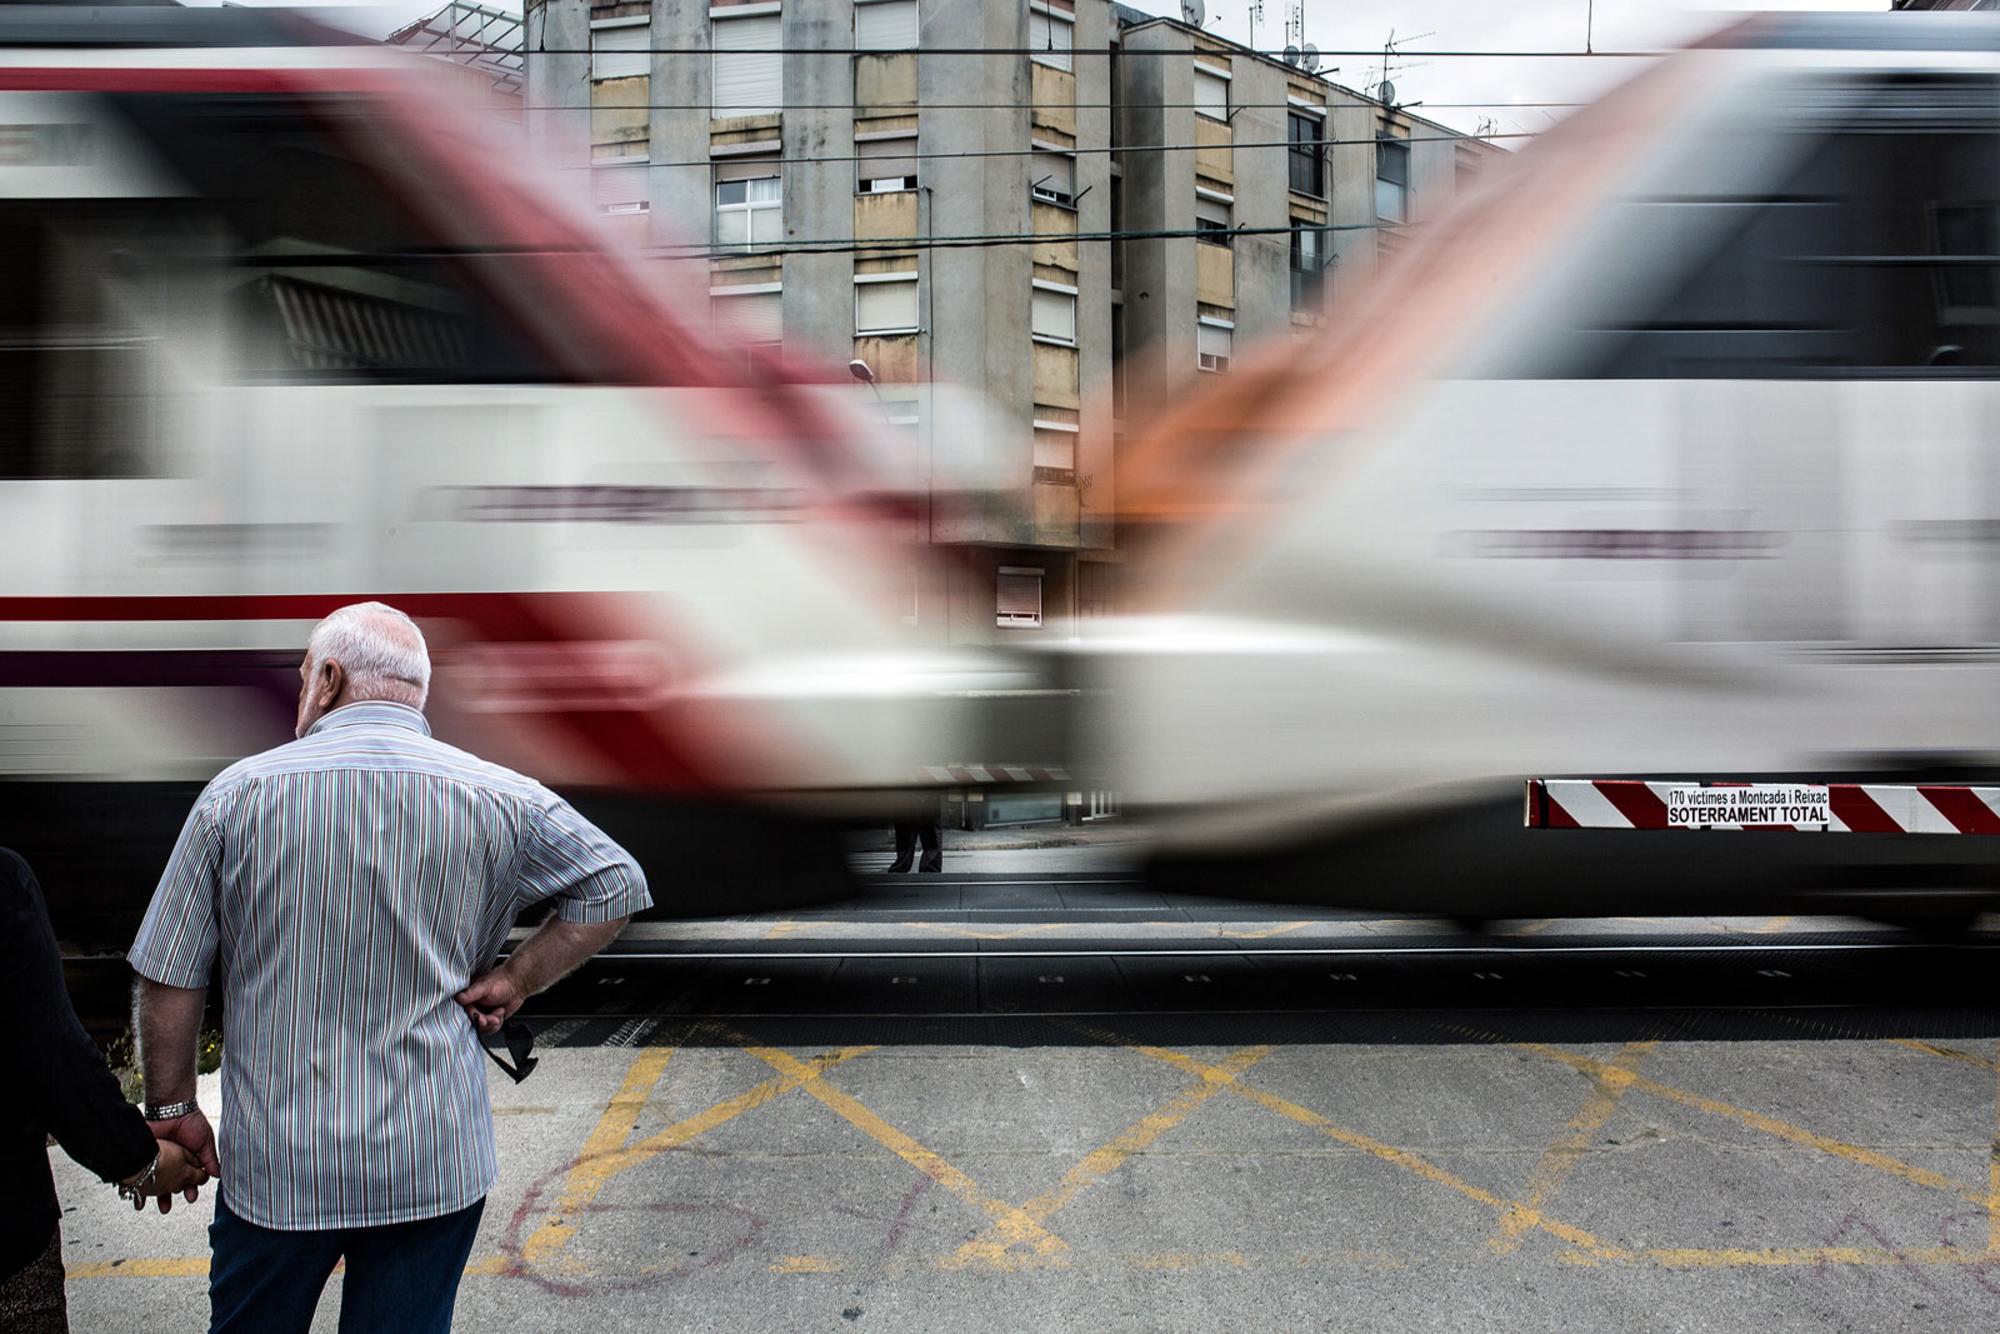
283	325
1675	453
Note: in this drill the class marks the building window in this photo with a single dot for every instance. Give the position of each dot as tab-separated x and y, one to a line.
1212	340
620	70
1019	597
621	50
1052	178
1309	256
1055	453
885	165
1212	220
752	315
628	219
885	303
1392	180
1211	93
749	74
1049	36
885	25
1306	154
749	205
1053	317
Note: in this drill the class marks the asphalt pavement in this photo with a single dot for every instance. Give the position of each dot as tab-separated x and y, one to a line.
793	1123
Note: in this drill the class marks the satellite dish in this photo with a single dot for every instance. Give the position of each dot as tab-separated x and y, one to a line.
1291	55
1193	13
1385	93
1309	58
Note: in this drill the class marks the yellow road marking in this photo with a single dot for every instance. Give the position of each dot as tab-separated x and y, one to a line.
807	1264
1532	927
1263	933
1770	1125
1776	1256
1993	1179
1948	1053
1102	1162
587	1177
969	933
1009	1220
158	1266
1561	1158
591	1173
1775	924
1402	1158
782	928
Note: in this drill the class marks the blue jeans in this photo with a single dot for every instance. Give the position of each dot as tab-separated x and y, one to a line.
403	1276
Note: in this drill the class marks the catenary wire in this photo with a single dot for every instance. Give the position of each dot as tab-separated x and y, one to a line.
1076	151
850	105
1084	53
754	250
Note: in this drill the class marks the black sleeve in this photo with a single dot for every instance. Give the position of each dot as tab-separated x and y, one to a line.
70	1091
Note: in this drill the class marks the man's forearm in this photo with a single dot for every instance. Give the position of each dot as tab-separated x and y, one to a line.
166	1021
556	949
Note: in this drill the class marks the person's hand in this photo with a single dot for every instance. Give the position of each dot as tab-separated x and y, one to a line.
492	998
179	1172
193	1133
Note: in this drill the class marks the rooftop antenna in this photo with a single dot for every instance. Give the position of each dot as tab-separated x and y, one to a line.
1385	91
1193	13
1295	26
1256	19
1309	58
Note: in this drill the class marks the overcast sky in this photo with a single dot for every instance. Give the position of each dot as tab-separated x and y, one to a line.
1461	25
1487	25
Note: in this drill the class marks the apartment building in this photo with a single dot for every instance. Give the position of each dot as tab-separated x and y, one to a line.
797	141
1292	186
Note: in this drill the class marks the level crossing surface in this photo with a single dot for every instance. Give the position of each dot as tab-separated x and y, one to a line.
993	1100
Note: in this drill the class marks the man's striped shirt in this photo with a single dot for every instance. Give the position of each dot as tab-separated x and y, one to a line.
341	889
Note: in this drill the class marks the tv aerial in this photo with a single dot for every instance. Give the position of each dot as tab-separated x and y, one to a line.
1291	55
1193	13
1309	58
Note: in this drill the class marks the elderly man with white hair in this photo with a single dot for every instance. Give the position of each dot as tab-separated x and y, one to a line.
350	891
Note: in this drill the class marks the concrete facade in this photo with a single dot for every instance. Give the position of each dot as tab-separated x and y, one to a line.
1034	467
1172	282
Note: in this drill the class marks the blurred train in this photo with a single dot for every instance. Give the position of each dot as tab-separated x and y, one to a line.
283	324
1674	454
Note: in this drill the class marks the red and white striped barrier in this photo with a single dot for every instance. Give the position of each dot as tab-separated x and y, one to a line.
974	775
1840	808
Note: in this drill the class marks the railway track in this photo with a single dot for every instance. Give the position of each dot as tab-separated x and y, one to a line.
1018	958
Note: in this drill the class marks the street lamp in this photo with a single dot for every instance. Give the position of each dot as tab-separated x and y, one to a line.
859	369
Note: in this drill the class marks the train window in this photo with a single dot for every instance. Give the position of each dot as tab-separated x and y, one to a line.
1876	258
337	272
75	361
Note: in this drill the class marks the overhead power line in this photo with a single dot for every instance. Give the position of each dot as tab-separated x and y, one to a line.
847	245
319	259
913	108
1077	151
1085	53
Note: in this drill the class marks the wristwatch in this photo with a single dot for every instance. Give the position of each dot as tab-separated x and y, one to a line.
172	1111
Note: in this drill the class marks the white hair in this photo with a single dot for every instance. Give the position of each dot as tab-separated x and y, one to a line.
379	648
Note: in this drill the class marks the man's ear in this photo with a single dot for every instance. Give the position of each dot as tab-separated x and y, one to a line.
332	681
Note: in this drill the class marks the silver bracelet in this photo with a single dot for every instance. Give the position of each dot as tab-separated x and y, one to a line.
172	1111
143	1187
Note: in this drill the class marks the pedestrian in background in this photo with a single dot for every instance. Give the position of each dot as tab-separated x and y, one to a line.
62	1088
353	888
921	827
